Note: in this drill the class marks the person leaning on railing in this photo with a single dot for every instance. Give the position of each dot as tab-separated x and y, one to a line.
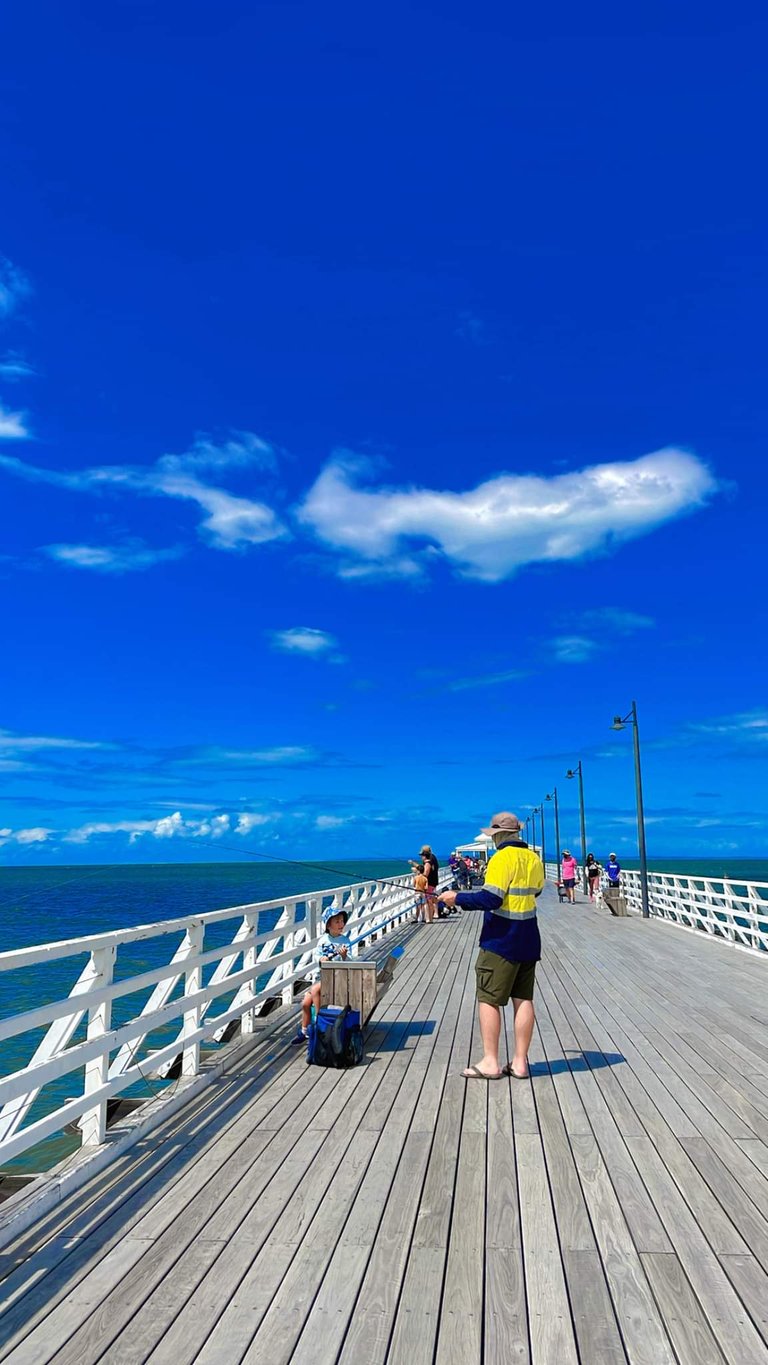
510	945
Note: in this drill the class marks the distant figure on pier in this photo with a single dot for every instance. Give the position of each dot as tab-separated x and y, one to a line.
613	871
510	945
568	871
593	870
430	868
332	946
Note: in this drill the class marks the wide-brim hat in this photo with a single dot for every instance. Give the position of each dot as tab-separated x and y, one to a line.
332	912
503	823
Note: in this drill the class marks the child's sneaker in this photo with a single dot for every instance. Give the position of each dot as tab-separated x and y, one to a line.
300	1038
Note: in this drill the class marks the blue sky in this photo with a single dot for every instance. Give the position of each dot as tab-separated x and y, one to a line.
382	408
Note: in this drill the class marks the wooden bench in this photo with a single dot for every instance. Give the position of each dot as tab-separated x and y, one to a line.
358	983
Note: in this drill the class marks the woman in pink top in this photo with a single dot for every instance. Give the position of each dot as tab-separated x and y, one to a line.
568	874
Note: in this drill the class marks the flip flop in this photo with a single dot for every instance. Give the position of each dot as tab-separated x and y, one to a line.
473	1073
508	1070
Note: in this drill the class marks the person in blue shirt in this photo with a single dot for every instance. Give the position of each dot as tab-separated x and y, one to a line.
510	945
613	871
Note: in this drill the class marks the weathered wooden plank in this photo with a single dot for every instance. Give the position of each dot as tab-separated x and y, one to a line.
683	1317
757	1153
573	1225
549	1316
506	1315
736	1336
738	1207
597	1332
460	1331
751	1284
644	1335
415	1329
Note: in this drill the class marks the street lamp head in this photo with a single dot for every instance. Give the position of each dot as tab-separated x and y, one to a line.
548	796
570	773
618	723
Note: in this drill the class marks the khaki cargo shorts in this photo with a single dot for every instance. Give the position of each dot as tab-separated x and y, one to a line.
498	979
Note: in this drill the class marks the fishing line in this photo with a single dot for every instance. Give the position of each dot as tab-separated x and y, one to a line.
56	886
206	843
297	862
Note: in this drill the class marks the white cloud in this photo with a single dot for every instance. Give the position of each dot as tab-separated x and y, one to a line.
249	820
332	821
280	753
14	285
13	366
487	680
215	827
243	449
746	725
303	640
118	559
37	835
623	622
10	742
166	827
13	425
491	531
230	521
574	649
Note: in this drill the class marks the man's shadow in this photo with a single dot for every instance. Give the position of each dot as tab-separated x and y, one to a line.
580	1061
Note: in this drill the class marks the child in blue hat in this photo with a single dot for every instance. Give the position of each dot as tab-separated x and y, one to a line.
332	946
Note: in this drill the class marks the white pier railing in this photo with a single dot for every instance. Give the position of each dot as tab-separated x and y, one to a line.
736	912
270	949
731	911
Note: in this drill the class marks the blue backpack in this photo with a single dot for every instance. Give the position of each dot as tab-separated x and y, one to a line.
335	1038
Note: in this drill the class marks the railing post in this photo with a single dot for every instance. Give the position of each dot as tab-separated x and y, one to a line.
93	1124
193	982
313	918
247	1021
289	943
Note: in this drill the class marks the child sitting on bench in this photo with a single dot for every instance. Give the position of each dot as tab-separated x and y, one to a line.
332	946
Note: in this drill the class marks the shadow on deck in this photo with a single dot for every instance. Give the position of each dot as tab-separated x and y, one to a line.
613	1208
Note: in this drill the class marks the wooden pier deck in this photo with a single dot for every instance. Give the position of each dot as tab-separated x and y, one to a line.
613	1208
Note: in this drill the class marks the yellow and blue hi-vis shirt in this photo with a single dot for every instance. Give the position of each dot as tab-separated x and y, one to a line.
513	879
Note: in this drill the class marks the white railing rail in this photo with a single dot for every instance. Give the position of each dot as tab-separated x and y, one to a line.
731	911
736	912
258	965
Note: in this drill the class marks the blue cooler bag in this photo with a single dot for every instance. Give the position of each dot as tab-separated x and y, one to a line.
335	1038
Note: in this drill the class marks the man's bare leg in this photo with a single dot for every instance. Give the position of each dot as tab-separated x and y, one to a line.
524	1021
490	1032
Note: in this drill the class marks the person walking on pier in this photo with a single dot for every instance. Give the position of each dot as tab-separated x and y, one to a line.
568	870
510	945
593	870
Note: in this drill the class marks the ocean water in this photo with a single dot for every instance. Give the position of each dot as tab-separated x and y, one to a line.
39	905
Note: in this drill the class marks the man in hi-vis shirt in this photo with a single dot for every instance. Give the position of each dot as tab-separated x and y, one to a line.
510	945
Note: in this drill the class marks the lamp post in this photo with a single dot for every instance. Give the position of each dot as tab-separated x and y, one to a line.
552	796
619	723
543	840
533	828
577	772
